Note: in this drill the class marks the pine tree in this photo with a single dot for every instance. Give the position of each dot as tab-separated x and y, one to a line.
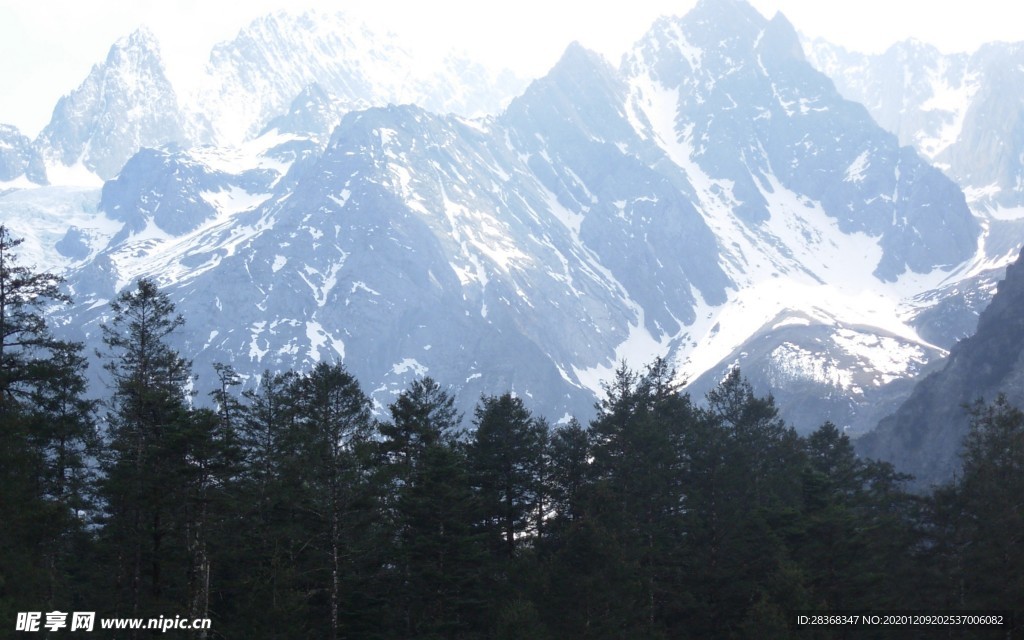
24	334
569	472
638	497
329	440
743	482
47	433
64	440
435	554
506	453
260	565
146	450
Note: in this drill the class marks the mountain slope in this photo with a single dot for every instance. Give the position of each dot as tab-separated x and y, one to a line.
963	112
828	228
923	436
748	106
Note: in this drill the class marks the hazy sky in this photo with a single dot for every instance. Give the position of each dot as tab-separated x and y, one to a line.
48	46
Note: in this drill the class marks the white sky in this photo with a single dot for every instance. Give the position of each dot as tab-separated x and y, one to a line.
48	46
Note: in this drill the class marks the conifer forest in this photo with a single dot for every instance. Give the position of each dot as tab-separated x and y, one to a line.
294	508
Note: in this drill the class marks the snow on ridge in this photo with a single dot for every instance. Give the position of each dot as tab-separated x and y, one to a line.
157	254
887	358
790	361
233	200
42	217
798	261
251	154
951	99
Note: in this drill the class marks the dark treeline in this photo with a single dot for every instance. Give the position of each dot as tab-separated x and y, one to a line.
290	511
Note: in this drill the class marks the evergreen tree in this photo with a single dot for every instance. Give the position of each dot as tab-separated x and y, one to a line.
24	334
569	472
327	469
146	452
47	434
264	578
856	532
743	480
63	440
506	453
638	498
436	556
507	469
989	503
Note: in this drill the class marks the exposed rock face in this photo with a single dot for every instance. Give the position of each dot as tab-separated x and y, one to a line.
923	436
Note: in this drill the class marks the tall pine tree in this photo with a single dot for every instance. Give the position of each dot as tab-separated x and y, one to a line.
145	453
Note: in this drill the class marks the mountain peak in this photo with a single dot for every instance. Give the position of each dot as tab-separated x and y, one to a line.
283	22
18	157
782	39
731	13
142	37
579	83
312	112
576	55
125	103
139	47
912	49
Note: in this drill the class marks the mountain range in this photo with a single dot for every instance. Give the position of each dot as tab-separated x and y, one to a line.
960	111
715	199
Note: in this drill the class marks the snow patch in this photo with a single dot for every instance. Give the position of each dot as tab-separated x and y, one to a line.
319	339
342	198
76	175
409	364
855	172
885	357
257	350
233	200
790	362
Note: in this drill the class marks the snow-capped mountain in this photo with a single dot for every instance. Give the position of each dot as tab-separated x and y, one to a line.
256	76
963	112
126	103
748	110
711	193
825	225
